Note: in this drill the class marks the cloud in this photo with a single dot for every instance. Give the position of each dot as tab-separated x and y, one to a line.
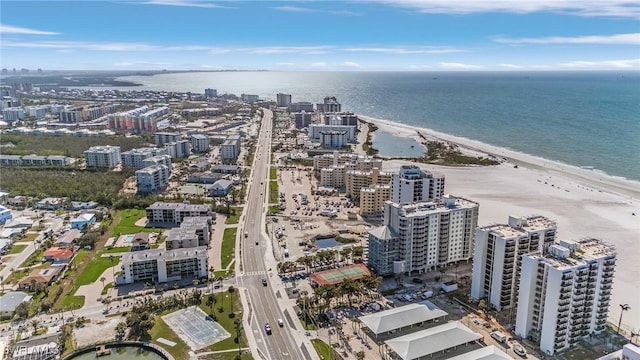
617	39
319	64
286	49
585	8
606	64
294	9
8	29
459	66
351	64
511	66
286	64
405	50
186	3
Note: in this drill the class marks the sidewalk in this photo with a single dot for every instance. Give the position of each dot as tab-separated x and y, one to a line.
216	241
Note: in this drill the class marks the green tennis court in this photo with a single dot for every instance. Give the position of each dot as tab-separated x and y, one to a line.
336	276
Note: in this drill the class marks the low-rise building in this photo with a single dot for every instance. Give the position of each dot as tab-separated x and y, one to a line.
220	188
58	255
5	214
193	232
161	266
10	301
173	213
41	278
83	221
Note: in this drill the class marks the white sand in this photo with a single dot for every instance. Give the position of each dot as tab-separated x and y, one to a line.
585	203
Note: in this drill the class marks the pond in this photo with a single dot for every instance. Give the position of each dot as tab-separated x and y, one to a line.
391	145
325	243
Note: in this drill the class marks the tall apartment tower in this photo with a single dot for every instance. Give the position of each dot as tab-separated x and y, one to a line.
105	157
413	184
423	236
498	255
283	100
565	294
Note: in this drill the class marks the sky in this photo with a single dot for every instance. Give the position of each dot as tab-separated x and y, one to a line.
376	35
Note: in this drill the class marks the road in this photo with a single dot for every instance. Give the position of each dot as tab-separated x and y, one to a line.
263	305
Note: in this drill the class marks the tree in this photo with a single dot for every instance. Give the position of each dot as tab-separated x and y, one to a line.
623	308
102	280
360	355
35	323
121	330
231	291
139	324
22	310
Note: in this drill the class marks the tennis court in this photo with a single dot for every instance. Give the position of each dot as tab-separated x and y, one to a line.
336	276
195	328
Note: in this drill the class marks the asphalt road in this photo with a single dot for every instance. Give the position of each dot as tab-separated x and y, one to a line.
262	300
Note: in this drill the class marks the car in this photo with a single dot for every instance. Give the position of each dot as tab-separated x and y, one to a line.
520	351
264	282
280	323
257	243
267	328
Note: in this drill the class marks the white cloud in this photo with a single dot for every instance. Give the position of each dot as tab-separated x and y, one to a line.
8	29
606	64
186	3
617	39
293	9
319	64
459	66
286	49
146	63
586	8
285	63
405	50
351	64
511	66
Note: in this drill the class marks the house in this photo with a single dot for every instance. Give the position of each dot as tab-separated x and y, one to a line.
220	188
10	301
81	205
19	223
50	203
5	214
5	245
83	221
58	255
43	277
66	241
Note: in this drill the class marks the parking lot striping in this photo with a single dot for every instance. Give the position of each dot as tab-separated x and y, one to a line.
195	328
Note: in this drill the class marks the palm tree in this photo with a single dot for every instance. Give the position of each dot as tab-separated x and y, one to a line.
102	280
35	323
623	308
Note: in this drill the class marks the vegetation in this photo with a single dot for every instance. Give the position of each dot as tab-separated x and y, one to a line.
273	173
274	210
162	330
127	224
220	306
83	185
367	147
234	216
273	192
71	146
324	350
228	248
16	249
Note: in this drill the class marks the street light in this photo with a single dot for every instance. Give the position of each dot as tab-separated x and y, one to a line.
623	308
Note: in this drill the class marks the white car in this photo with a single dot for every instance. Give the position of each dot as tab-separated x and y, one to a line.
520	351
280	323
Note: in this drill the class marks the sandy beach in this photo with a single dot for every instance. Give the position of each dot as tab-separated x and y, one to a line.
584	203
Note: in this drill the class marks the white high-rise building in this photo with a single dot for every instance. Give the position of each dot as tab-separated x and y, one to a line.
178	149
134	158
200	143
423	236
564	295
230	148
102	156
152	179
283	100
412	184
498	255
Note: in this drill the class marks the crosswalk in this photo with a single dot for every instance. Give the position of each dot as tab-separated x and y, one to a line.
250	273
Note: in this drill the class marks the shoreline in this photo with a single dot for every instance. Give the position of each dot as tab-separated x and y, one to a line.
583	203
590	177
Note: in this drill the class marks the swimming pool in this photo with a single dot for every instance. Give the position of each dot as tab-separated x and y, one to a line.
129	238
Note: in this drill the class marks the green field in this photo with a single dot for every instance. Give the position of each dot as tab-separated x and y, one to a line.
273	173
95	268
323	349
235	216
161	330
228	248
128	220
273	192
16	249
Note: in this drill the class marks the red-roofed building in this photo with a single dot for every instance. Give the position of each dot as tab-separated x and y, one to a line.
58	255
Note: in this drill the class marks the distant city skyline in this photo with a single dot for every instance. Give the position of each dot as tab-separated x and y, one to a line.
406	35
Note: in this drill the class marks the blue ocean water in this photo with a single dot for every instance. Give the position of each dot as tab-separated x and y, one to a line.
585	119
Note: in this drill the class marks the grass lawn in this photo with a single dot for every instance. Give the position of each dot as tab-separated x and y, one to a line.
223	300
116	250
16	249
273	192
128	220
30	236
162	330
95	268
235	217
228	249
273	173
71	302
274	210
106	288
80	256
323	349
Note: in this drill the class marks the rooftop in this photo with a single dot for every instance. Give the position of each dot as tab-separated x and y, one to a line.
400	317
179	206
487	353
199	252
433	340
10	300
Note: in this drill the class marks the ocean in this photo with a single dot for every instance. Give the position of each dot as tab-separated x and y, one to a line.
586	119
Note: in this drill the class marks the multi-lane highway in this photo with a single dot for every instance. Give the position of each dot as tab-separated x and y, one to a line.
263	305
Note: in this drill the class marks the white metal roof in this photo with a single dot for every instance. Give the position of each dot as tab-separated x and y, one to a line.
486	353
401	316
432	340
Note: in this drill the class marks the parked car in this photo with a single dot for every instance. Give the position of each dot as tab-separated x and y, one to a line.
520	351
264	282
